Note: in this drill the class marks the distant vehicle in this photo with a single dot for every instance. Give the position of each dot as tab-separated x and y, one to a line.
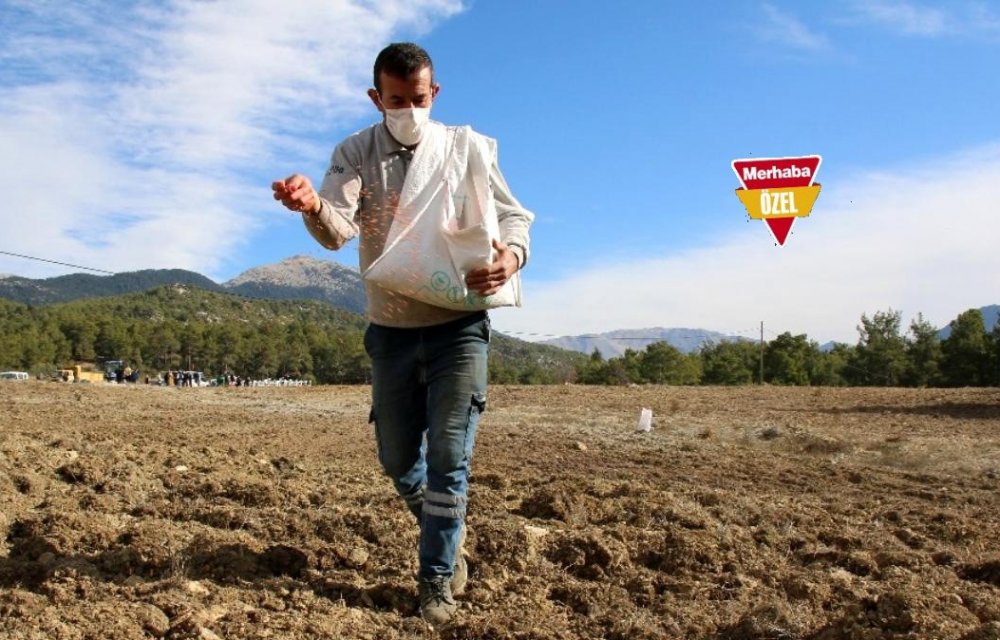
76	374
14	375
198	378
110	366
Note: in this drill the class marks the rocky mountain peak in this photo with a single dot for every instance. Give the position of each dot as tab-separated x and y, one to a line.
296	271
303	277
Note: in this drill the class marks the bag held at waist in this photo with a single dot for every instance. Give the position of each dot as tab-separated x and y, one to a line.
445	224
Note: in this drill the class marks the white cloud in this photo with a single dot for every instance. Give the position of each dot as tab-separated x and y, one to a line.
912	19
784	29
137	132
905	17
916	239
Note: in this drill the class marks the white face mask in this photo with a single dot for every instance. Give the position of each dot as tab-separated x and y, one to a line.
407	125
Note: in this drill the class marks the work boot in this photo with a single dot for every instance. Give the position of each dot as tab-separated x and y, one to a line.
461	576
436	604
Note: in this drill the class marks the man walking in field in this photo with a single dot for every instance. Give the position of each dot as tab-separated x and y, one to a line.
429	363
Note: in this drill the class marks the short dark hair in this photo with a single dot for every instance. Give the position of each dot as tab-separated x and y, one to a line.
400	59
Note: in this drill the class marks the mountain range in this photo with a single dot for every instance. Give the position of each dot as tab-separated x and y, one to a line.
301	277
295	278
307	278
614	343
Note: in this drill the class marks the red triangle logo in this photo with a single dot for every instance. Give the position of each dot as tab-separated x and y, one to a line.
780	228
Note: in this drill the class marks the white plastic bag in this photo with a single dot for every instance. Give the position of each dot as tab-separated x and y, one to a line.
645	420
432	245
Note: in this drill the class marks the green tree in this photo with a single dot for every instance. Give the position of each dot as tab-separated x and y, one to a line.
138	338
10	349
965	352
788	359
296	358
164	347
261	358
325	362
689	372
830	368
340	358
500	372
33	349
658	361
594	370
923	355
192	346
662	363
112	342
994	369
880	356
532	373
81	333
730	362
357	366
226	344
625	368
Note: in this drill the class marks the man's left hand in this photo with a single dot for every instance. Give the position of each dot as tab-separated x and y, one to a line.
488	280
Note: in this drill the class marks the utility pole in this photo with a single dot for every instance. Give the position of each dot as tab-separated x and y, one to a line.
761	352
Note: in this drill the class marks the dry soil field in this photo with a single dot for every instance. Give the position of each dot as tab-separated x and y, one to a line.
756	513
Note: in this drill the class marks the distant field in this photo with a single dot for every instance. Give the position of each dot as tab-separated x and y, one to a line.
746	513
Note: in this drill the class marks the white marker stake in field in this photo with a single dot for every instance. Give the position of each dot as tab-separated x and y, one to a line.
645	420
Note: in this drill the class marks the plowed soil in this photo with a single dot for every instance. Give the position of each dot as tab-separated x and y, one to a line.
746	513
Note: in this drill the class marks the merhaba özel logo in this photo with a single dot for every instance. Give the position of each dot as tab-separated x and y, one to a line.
778	190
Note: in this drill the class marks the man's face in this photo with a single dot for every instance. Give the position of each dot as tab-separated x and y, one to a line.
416	90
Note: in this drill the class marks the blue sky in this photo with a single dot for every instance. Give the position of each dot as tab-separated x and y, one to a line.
145	135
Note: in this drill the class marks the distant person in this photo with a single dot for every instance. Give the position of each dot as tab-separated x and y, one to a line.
428	363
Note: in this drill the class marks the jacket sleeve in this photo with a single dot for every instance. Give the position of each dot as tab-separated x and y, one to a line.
337	221
514	219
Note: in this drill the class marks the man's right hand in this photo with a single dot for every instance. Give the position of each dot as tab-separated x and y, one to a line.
297	194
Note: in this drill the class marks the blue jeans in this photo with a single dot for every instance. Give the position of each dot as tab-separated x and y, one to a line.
428	390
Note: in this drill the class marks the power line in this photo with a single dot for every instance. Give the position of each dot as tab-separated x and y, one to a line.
65	264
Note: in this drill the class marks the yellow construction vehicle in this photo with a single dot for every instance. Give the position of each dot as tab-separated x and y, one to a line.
77	374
